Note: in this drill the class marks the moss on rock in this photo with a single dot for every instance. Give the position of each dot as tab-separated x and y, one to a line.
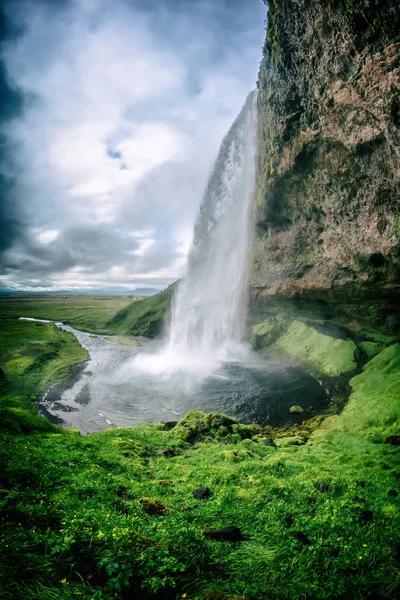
322	353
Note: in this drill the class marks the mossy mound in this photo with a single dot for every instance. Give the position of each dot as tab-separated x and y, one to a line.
319	352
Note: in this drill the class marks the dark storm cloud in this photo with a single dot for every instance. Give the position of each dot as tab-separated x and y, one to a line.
11	105
111	116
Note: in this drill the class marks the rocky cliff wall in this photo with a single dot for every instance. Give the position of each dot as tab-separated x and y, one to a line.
328	193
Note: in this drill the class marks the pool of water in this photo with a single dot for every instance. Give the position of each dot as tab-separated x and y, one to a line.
114	390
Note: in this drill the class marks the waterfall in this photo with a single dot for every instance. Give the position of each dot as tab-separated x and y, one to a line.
209	310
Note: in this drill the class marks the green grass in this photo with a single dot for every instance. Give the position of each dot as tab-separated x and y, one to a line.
33	357
73	524
101	315
76	310
142	317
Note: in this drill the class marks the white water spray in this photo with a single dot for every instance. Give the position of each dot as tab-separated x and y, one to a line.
208	316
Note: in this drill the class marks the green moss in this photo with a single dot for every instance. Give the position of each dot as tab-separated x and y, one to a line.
371	349
320	352
375	397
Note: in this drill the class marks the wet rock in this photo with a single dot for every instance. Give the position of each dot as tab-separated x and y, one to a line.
393	493
301	537
366	516
202	493
296	410
170	425
393	440
153	507
225	534
255	429
216	420
269	442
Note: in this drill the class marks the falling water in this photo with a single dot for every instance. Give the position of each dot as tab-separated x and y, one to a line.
208	315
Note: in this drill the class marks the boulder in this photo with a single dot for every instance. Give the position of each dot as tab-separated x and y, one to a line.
153	507
202	493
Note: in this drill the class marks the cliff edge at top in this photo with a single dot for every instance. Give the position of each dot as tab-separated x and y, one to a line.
328	191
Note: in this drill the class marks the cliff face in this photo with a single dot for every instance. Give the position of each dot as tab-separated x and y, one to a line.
328	194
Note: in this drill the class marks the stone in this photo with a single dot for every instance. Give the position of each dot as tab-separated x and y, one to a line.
170	425
225	534
301	537
393	440
202	493
296	410
153	507
366	516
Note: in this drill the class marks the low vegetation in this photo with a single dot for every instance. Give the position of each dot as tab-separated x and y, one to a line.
205	509
96	314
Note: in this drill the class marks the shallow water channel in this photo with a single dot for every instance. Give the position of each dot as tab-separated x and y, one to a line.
111	390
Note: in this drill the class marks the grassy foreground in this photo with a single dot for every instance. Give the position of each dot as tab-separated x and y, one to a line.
113	515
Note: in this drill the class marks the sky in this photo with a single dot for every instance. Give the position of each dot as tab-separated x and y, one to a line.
111	116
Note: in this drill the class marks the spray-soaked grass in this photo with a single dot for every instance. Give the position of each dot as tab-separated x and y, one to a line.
320	520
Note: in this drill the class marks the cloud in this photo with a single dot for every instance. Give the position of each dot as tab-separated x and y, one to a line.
113	115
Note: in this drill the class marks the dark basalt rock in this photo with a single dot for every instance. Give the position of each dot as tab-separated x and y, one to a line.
301	537
225	534
202	493
366	516
393	440
170	425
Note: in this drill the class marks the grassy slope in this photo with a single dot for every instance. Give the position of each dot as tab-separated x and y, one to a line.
142	317
33	357
73	523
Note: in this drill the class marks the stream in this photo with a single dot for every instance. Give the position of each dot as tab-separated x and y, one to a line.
112	390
